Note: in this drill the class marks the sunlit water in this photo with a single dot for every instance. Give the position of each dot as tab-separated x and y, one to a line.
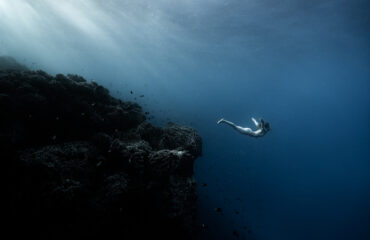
304	66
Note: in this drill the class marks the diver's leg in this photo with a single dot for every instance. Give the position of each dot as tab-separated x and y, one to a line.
233	125
227	122
220	121
246	131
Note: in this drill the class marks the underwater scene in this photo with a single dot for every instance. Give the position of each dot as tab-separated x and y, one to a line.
186	119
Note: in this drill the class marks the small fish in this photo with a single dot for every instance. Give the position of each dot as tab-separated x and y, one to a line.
204	184
204	226
131	92
146	113
142	95
218	209
235	233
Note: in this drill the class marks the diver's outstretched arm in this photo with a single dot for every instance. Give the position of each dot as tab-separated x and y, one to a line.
255	122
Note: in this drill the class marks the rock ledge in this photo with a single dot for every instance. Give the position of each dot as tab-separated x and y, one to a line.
80	163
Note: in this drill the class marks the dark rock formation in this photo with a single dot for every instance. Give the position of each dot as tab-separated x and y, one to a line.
9	63
79	163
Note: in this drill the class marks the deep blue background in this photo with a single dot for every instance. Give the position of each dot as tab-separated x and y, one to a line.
309	177
304	66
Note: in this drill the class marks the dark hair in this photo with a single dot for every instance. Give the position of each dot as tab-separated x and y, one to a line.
267	126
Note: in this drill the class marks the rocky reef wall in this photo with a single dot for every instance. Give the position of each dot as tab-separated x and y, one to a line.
79	163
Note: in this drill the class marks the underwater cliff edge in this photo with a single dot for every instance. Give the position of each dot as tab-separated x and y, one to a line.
80	163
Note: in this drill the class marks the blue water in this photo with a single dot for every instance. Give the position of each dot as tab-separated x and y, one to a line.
304	66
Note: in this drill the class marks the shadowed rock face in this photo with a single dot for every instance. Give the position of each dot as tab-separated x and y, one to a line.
9	63
80	163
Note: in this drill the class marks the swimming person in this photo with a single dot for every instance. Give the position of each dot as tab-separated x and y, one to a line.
262	127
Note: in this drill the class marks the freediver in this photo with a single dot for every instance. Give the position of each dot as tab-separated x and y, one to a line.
262	127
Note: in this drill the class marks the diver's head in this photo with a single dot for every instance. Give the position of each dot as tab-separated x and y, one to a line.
266	126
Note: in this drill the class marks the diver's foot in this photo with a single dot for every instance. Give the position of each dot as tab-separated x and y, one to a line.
220	121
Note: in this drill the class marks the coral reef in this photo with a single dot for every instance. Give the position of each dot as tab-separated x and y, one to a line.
79	163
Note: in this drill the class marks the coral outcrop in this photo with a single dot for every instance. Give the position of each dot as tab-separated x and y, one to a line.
79	163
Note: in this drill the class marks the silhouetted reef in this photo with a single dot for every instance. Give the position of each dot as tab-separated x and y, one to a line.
9	63
79	163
